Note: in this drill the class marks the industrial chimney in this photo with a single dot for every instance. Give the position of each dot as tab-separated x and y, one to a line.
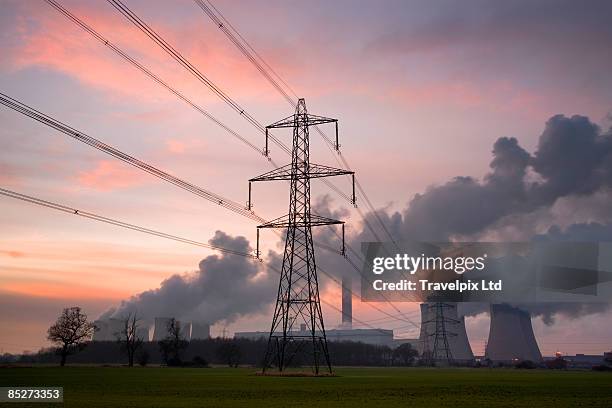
511	336
347	303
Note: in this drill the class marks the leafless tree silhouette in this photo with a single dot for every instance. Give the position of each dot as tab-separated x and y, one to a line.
128	338
70	332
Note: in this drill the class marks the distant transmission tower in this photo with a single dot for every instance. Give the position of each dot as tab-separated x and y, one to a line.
441	351
297	325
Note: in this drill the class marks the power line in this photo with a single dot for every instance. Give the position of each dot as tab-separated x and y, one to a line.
134	227
80	136
141	25
245	42
118	223
361	190
177	56
364	323
97	144
173	90
381	320
152	34
249	52
149	73
241	43
256	59
226	28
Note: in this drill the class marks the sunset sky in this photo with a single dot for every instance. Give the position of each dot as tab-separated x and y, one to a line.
422	91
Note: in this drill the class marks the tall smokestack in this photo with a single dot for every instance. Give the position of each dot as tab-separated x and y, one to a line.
347	303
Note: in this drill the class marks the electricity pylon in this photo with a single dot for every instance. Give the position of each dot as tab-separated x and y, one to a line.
441	350
297	325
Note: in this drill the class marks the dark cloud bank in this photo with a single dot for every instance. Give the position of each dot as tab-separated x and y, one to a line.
572	162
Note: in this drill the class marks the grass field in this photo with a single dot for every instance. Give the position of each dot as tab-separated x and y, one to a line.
353	387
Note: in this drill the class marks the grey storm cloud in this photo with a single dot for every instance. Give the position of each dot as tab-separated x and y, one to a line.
489	37
573	158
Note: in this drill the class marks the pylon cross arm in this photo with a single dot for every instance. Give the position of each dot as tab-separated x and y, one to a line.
286	222
302	120
313	170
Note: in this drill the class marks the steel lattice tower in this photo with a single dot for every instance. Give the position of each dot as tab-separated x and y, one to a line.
441	350
297	324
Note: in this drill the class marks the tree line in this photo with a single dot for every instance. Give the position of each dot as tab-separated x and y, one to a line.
71	335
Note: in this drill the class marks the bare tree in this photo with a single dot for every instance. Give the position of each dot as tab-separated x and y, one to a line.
172	345
128	337
70	332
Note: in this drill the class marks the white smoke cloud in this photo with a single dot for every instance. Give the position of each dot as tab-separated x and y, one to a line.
560	192
223	288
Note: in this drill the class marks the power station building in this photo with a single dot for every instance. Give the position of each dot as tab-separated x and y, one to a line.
345	332
381	337
511	336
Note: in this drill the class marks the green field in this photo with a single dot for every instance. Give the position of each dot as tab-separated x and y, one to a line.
353	387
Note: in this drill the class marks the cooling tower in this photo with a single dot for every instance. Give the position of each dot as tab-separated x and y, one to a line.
115	329
101	332
142	333
511	336
458	343
185	330
107	330
160	331
200	331
347	303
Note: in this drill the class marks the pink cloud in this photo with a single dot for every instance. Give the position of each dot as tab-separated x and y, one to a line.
55	43
12	254
8	175
60	290
175	146
185	146
499	96
110	175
